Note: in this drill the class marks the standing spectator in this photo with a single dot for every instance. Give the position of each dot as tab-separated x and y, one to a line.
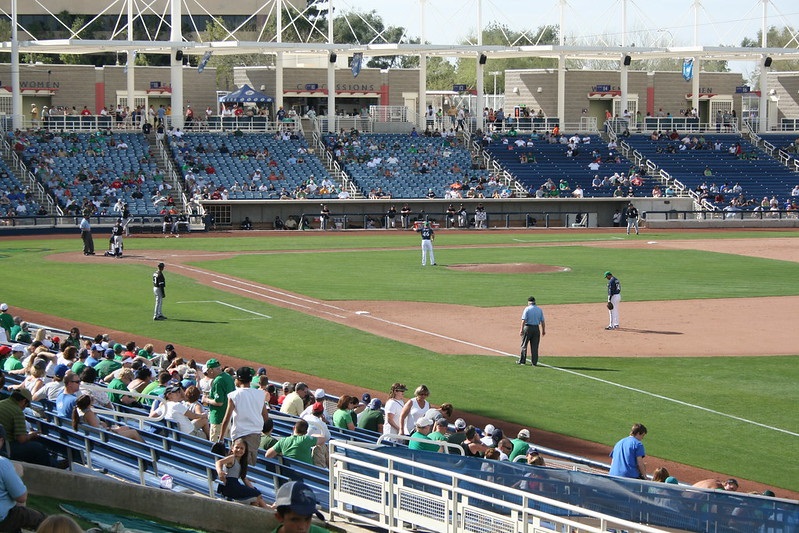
372	417
614	298
627	457
86	236
216	399
293	402
393	410
414	410
14	514
428	236
159	290
533	327
246	412
299	445
7	321
617	218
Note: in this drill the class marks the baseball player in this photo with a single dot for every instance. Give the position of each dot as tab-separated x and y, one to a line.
614	297
428	236
533	326
632	218
116	239
159	289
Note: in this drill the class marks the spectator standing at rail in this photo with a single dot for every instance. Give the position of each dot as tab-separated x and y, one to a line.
216	399
246	413
627	457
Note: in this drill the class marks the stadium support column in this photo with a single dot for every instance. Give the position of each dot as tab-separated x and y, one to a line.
695	88
561	90
16	95
131	56
421	103
623	86
176	69
279	63
331	72
762	112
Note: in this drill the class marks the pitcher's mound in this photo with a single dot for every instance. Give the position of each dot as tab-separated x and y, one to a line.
509	268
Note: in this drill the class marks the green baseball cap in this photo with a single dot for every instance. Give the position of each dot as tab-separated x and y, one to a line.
212	363
607	274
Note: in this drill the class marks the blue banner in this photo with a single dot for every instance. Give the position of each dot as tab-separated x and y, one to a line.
688	69
357	60
204	61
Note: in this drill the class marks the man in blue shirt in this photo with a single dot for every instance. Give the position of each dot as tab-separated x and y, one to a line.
65	402
14	515
627	457
533	326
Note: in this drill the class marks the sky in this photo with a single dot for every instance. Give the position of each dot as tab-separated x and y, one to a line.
658	21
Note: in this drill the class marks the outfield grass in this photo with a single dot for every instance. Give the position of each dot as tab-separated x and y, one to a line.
118	295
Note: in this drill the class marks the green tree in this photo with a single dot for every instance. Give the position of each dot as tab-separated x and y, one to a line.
215	31
776	38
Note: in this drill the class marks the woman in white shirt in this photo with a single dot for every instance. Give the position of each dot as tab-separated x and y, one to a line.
414	410
393	409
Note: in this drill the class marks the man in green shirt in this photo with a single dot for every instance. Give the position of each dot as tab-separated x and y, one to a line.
424	426
13	364
107	365
298	446
216	399
120	383
157	387
440	432
520	444
372	417
6	320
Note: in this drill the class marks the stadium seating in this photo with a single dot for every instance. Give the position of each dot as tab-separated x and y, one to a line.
131	173
233	172
758	174
12	190
407	180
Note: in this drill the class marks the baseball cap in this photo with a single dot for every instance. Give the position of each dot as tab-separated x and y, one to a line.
318	407
171	389
212	363
375	404
261	371
672	480
98	348
143	353
169	347
460	424
298	497
40	363
25	393
606	274
489	429
5	350
161	265
424	422
4	307
18	348
109	353
319	394
56	340
60	370
524	434
366	397
244	373
497	434
531	299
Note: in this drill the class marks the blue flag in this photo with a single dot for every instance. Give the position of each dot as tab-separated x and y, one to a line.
357	60
203	61
688	69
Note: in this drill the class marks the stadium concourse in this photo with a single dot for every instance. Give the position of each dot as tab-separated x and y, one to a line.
577	447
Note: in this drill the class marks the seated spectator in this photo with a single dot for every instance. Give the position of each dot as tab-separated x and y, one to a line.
267	440
50	391
23	444
89	386
297	446
232	474
65	401
14	514
422	430
83	413
174	409
342	417
372	417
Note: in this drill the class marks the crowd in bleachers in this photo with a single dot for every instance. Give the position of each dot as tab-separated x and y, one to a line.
253	166
91	172
428	165
555	165
16	199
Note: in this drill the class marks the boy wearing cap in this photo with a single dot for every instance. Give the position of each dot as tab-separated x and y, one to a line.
520	444
295	506
246	413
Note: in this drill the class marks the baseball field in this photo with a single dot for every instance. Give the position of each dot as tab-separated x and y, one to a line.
706	356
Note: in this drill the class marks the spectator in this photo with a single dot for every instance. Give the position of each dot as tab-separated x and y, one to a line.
627	457
51	391
293	402
372	417
414	410
59	523
232	473
295	506
216	399
246	412
83	413
267	440
342	417
393	410
422	430
88	386
14	514
660	474
175	409
472	447
520	444
440	428
65	401
23	444
299	445
460	432
121	383
317	425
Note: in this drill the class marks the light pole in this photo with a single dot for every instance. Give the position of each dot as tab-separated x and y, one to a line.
495	74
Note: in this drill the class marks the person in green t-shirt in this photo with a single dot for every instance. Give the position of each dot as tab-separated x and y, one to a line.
267	440
216	399
440	432
372	417
297	446
424	426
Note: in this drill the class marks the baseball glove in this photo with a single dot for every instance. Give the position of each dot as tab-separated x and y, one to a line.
610	306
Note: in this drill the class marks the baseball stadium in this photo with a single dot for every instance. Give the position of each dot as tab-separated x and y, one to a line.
289	219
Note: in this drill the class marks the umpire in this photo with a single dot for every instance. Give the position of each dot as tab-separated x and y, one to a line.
533	326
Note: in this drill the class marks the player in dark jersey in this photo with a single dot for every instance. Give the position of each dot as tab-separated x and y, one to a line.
159	289
428	236
116	238
614	298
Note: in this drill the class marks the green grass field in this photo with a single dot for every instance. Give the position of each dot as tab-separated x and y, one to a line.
728	414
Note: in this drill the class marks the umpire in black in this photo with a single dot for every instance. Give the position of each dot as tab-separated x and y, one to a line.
533	326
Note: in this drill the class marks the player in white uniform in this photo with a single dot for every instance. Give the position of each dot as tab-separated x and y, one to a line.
428	236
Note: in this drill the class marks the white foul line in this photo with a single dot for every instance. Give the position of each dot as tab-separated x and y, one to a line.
225	304
317	303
